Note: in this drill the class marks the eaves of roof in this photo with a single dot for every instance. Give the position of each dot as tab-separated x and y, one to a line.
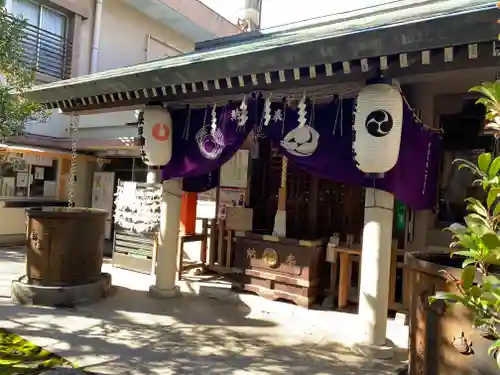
373	33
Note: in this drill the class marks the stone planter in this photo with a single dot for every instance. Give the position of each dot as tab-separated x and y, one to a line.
442	338
64	257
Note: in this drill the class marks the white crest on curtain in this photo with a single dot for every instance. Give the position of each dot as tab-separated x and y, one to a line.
210	141
278	115
304	139
157	130
378	123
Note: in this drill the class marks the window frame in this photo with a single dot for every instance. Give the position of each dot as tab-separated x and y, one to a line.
40	38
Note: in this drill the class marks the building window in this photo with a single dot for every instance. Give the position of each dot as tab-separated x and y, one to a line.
46	47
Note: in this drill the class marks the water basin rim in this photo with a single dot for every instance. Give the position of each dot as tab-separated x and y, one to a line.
433	262
65	212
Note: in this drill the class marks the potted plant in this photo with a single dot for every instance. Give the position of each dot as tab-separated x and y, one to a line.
455	308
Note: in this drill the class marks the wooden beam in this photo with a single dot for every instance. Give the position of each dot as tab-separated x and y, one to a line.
438	64
410	29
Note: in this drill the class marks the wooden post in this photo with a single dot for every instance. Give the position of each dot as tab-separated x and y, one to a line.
188	213
229	248
280	218
204	244
180	257
333	277
392	282
220	242
406	288
344	280
213	241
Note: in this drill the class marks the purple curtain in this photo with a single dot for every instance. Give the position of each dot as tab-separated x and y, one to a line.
199	184
198	149
414	178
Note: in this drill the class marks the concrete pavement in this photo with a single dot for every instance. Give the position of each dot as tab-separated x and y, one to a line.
133	334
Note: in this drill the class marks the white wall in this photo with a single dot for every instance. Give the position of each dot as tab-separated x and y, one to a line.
124	36
83	185
57	125
129	37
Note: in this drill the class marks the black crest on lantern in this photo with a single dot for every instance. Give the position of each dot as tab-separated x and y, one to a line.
379	123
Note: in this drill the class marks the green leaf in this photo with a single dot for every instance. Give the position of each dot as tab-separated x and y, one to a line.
480	218
15	109
486	89
484	162
491	240
469	165
468	276
492	348
492	196
468	262
475	291
496	210
476	226
457	228
445	296
494	168
468	242
491	279
465	253
476	206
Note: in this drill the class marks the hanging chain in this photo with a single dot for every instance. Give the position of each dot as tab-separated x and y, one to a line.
72	174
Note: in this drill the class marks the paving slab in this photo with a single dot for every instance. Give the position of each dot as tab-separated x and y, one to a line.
132	334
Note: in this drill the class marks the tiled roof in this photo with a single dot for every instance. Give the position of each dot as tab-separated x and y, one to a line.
412	26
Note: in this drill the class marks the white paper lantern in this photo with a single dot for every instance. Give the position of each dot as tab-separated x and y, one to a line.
378	124
157	133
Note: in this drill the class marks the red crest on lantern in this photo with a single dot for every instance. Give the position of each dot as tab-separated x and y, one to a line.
160	132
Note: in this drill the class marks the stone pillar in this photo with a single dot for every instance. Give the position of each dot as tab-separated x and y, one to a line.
375	269
166	261
153	175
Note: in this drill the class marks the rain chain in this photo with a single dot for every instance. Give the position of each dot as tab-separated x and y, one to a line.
72	176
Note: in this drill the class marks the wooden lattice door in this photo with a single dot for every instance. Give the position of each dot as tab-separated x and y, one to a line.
315	207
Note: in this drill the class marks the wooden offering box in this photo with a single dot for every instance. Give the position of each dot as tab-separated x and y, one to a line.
279	268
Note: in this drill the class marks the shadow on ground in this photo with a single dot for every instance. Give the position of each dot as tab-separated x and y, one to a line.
131	334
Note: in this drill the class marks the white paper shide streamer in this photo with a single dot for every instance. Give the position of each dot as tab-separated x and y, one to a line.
304	139
378	126
157	130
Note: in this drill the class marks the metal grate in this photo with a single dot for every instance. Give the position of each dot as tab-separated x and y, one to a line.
45	52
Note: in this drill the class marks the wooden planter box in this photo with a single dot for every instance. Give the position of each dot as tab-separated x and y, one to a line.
279	268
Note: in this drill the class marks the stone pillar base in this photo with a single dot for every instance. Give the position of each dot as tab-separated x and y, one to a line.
374	351
164	293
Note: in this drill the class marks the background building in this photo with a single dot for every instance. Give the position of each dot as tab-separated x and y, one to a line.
279	12
68	38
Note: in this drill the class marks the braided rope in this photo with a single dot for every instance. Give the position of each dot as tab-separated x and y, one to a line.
284	171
